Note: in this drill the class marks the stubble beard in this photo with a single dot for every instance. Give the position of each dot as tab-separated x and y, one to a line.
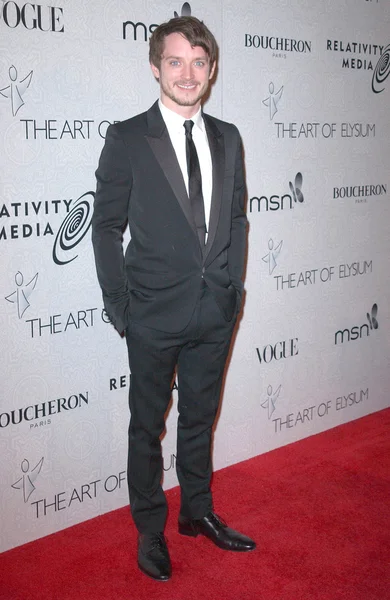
183	100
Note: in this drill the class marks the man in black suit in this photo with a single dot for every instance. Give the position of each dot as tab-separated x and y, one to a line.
176	175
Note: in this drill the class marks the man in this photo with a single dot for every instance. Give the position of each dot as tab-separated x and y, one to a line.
176	175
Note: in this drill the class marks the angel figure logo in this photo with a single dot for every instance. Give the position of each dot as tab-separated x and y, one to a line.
273	100
272	255
26	481
16	89
22	293
270	400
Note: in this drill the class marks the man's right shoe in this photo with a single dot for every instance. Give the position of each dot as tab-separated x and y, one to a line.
153	556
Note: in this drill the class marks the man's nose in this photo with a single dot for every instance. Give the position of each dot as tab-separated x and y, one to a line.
187	71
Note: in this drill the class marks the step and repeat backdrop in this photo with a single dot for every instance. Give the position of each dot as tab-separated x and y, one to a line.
308	84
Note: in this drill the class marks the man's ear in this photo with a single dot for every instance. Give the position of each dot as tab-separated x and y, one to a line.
212	70
155	71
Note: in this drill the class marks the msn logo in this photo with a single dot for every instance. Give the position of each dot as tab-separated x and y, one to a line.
358	331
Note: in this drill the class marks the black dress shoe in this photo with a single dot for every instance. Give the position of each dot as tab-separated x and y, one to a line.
153	556
217	531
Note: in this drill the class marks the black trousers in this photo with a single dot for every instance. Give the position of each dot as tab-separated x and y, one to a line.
199	353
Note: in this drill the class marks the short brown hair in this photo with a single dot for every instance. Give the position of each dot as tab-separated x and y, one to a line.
192	29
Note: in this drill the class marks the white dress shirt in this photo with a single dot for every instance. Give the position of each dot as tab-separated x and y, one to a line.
175	126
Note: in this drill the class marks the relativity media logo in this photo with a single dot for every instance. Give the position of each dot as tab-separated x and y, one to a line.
270	400
356	55
76	223
26	481
277	202
359	331
32	16
381	71
16	89
73	229
360	56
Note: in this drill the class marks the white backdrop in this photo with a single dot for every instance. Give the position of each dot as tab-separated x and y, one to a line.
307	83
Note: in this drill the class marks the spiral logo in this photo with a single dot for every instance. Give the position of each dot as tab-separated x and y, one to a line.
382	71
73	229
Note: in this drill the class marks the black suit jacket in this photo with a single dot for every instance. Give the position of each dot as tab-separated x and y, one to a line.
139	180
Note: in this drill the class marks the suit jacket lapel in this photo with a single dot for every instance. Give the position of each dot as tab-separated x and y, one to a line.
164	152
217	150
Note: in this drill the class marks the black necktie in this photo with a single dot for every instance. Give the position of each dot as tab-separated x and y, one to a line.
195	184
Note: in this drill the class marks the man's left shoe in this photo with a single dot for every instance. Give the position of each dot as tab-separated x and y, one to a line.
217	531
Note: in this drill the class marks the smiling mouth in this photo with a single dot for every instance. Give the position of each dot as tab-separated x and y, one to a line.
186	86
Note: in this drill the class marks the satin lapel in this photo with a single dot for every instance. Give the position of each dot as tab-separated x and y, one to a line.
164	152
217	150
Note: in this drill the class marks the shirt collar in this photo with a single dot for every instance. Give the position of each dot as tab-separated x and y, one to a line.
173	120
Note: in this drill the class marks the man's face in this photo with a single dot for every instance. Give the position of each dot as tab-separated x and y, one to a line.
184	74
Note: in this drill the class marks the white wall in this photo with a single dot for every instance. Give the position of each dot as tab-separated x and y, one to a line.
54	341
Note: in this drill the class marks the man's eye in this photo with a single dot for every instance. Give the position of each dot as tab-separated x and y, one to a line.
174	63
199	63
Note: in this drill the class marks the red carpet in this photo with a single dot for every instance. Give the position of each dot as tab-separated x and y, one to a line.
319	510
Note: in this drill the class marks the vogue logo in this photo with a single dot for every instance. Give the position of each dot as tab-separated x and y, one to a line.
33	16
278	351
358	331
275	202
